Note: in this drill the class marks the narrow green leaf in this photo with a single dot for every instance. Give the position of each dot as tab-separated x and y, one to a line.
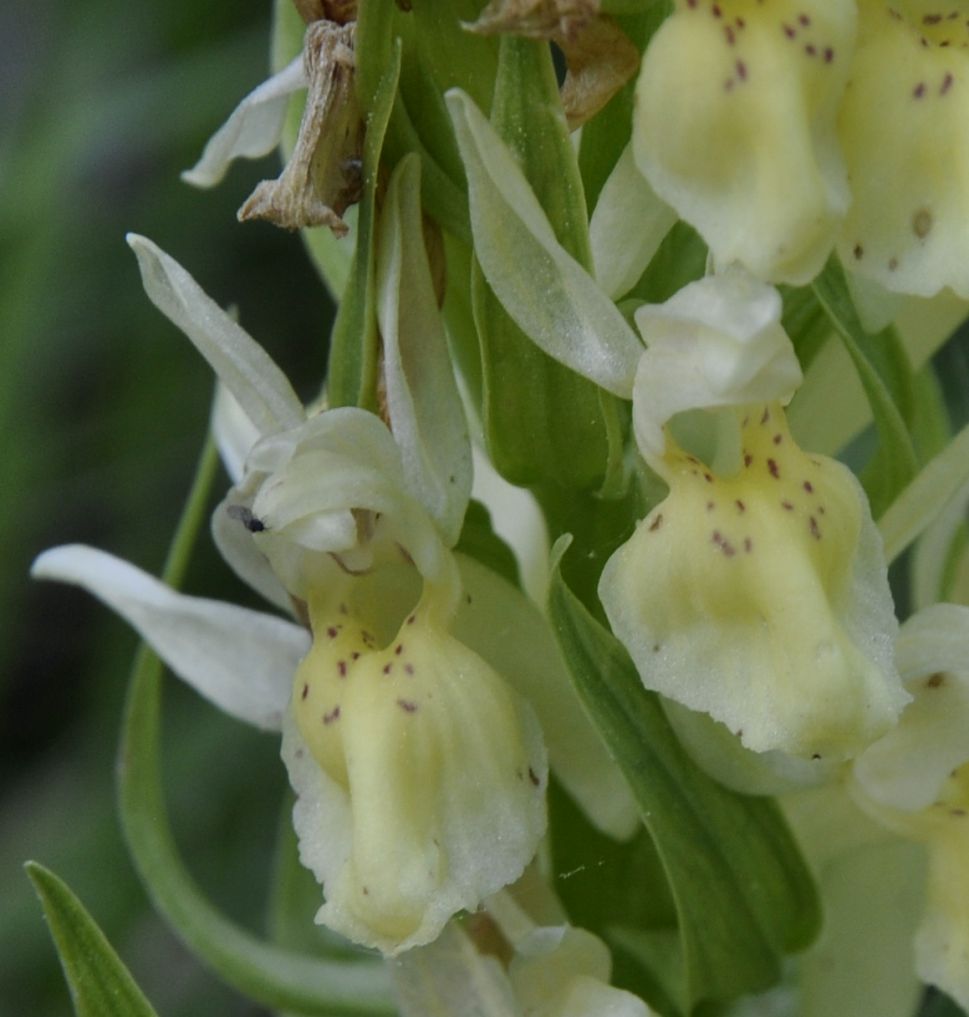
742	892
456	57
523	386
352	375
418	120
877	362
943	479
269	974
100	984
523	389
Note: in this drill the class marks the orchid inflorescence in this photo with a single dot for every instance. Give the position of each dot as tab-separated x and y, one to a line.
705	677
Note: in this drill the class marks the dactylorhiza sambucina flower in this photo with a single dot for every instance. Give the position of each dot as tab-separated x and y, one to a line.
903	129
782	130
420	773
736	127
757	591
915	781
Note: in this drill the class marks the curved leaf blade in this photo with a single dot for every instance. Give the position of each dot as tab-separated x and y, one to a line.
941	481
898	462
742	892
100	984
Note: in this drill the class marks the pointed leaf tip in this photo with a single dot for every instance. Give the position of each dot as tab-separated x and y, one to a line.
100	984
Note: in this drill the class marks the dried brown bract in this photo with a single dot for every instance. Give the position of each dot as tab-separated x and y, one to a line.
323	175
535	19
600	58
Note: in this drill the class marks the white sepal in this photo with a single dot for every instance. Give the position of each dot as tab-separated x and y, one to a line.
424	406
243	366
716	342
240	660
551	297
233	431
240	552
253	129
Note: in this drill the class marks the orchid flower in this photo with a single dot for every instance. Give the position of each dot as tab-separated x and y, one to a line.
915	781
903	131
757	590
420	773
736	128
782	130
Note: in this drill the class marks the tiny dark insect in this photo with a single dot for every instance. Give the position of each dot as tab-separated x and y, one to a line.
245	516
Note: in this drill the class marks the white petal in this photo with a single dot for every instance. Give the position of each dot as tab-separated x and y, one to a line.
242	554
234	432
242	364
716	342
425	408
942	940
240	660
509	632
552	298
254	128
340	461
628	225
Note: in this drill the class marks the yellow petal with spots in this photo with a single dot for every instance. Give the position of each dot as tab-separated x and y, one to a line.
735	127
762	598
420	775
904	128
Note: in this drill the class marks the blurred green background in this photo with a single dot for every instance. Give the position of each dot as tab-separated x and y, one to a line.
103	408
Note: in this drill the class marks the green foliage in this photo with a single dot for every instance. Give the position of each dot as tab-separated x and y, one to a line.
887	379
742	893
354	347
100	984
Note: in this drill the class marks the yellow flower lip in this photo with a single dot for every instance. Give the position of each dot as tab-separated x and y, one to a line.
430	765
760	597
735	127
902	128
